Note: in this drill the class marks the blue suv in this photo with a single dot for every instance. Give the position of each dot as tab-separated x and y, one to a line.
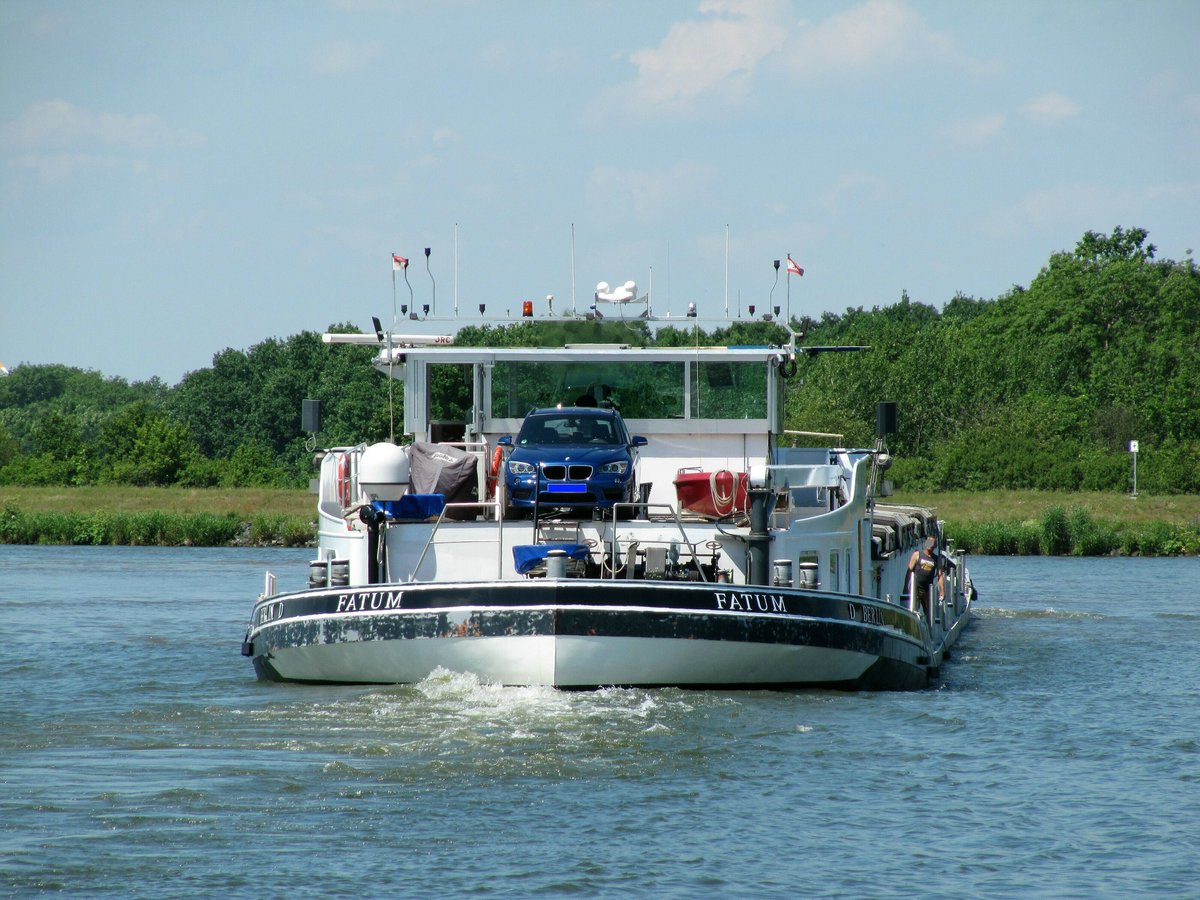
573	457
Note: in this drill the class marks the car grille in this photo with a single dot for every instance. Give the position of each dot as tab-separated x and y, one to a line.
559	472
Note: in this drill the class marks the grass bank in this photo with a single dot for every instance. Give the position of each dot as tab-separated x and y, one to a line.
119	515
991	522
1026	523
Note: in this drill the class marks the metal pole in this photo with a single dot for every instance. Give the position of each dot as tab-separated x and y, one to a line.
759	539
1133	448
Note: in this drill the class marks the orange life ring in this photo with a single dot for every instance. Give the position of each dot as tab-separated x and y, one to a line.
343	480
497	458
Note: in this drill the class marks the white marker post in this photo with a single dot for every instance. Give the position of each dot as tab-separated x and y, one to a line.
1133	448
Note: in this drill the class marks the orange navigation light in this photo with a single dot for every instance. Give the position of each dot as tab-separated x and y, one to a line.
527	309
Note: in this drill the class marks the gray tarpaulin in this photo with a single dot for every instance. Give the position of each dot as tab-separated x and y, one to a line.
442	469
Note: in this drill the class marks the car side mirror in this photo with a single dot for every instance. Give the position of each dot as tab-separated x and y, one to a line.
638	441
505	441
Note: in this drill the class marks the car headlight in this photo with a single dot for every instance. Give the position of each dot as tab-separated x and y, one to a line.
615	468
520	468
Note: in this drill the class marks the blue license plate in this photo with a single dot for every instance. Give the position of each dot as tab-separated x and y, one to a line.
567	488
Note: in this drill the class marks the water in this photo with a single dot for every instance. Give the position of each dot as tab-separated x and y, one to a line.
1058	756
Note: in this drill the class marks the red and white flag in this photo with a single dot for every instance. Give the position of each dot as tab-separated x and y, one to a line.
793	268
398	263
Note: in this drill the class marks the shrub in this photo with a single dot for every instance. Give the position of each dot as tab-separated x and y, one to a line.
1055	539
1090	537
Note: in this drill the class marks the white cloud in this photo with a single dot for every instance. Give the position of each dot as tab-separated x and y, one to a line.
496	56
976	131
56	139
48	24
58	123
697	58
853	188
1050	109
1077	207
56	168
875	35
707	60
714	60
443	136
339	58
647	195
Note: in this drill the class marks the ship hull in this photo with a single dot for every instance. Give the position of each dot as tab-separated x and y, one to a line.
586	634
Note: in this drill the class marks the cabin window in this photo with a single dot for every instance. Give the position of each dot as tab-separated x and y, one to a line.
649	390
448	395
835	581
728	390
638	390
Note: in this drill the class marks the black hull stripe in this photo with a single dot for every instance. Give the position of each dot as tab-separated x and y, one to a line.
734	602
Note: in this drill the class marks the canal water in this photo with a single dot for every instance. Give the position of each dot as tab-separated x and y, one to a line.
1058	755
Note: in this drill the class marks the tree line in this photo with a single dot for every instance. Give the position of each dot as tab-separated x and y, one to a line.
1043	387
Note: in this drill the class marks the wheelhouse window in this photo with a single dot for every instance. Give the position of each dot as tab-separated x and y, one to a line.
650	390
728	390
637	390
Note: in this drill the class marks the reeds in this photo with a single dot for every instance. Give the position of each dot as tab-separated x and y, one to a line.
153	528
1074	532
1050	531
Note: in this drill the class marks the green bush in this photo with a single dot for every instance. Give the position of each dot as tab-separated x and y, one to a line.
1055	539
1090	537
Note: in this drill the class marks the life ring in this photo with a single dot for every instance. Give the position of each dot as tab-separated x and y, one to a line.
497	458
343	480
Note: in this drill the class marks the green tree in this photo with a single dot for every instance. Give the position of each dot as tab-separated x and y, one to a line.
162	451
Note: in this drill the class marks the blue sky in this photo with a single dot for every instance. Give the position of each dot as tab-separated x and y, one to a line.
177	178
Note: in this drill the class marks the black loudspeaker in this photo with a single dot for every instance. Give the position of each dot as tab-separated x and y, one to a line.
310	416
885	418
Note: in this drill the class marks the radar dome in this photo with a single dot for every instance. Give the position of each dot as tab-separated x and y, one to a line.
383	471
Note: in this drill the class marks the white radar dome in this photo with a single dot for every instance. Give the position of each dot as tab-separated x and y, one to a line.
383	471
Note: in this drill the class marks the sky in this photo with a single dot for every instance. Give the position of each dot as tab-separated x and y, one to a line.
178	178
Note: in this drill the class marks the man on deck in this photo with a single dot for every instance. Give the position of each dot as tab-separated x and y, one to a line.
923	566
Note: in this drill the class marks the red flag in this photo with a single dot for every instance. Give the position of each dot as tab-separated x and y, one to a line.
398	262
793	268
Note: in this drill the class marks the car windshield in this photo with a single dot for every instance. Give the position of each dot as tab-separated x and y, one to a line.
572	428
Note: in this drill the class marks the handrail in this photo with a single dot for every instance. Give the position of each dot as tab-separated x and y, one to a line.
647	506
467	504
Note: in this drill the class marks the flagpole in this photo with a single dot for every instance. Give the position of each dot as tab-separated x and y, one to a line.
429	272
727	272
456	270
393	292
789	289
573	268
412	302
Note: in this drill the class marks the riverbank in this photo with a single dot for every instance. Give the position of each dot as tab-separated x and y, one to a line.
109	515
996	523
1044	523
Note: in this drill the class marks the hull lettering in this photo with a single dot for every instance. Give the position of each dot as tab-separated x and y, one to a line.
742	601
362	601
